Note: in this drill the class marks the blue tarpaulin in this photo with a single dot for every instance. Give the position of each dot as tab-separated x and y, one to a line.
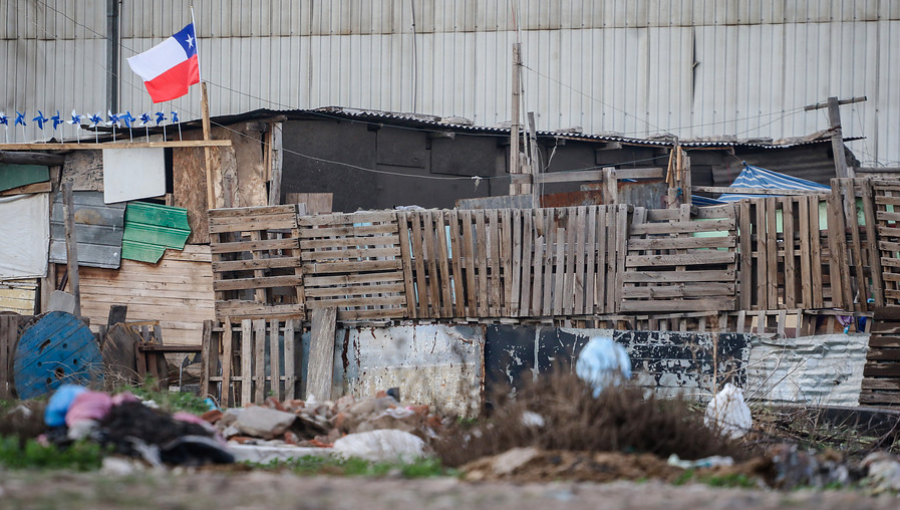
755	177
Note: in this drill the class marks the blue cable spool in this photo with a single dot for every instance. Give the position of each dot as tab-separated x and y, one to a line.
58	349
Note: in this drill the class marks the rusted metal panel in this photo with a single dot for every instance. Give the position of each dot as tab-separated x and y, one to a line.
822	369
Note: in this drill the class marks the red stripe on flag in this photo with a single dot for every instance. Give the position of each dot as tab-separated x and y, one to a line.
174	83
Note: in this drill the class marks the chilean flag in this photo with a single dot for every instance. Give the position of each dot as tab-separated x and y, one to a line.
170	67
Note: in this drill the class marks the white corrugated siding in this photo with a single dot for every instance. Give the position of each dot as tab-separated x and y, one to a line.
690	67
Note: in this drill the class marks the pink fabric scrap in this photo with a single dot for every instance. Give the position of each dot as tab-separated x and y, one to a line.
90	405
123	398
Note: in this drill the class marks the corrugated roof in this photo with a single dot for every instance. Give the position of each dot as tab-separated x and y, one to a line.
461	125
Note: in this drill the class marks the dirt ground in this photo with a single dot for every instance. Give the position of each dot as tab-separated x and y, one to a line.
258	489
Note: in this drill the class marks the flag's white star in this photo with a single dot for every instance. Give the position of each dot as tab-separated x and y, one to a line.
190	41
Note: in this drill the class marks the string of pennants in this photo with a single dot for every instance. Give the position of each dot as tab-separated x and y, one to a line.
120	121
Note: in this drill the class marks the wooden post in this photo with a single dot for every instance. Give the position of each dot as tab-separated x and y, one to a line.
207	151
610	186
837	136
71	249
321	353
514	168
275	163
535	162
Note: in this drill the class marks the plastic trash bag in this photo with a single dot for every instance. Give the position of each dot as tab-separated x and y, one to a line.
603	363
59	404
728	412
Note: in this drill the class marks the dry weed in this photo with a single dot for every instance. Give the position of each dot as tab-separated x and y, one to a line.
619	420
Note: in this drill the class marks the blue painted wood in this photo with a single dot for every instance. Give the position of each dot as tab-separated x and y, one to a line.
57	349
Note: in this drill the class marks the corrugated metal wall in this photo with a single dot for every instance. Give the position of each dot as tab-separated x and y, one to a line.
691	67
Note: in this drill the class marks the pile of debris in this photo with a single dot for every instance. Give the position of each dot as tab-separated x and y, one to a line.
321	424
132	428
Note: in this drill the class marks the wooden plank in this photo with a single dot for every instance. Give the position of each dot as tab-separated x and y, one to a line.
459	293
481	237
206	345
337	243
772	253
559	270
71	247
568	296
259	361
685	227
678	276
687	259
257	283
621	250
746	260
321	353
447	308
422	293
431	256
806	300
247	265
591	270
687	305
837	244
790	279
679	291
262	222
354	279
552	235
516	279
579	254
290	378
815	254
674	243
538	277
528	241
355	231
603	240
246	376
228	397
406	259
494	259
849	195
355	290
756	191
871	243
275	359
347	219
356	302
469	263
242	246
505	244
347	254
319	268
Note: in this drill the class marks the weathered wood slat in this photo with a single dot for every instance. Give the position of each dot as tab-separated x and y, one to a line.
257	283
689	259
244	265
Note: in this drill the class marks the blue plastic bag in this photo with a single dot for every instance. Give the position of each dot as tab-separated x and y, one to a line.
59	404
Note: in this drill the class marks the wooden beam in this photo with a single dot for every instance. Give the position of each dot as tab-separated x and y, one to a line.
31	158
321	353
589	175
71	250
756	191
207	151
514	166
174	144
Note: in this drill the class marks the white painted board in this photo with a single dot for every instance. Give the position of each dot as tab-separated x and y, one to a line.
132	174
24	235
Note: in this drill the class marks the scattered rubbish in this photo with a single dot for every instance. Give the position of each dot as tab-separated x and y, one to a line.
59	404
795	467
708	462
883	472
603	363
532	419
728	413
263	422
381	446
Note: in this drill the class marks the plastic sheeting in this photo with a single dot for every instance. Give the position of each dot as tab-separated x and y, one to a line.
24	235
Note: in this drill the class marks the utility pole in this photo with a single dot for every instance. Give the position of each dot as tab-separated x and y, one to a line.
837	137
112	55
514	166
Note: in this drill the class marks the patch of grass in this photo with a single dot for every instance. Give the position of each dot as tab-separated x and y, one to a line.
684	478
312	465
80	456
733	480
166	400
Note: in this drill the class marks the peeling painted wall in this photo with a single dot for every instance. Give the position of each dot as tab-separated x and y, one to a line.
824	369
438	365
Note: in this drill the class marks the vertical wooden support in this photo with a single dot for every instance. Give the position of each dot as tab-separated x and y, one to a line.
275	359
746	273
207	151
610	186
815	253
290	361
246	361
790	280
259	360
405	257
875	268
71	245
321	354
514	165
205	348
228	397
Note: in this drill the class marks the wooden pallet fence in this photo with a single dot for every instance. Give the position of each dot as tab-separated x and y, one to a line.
854	201
353	262
881	375
887	221
256	262
512	263
784	252
671	267
254	358
9	338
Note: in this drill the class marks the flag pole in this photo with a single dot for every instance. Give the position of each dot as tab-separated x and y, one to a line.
204	107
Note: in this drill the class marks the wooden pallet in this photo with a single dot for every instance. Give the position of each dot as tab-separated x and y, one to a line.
881	376
236	352
256	262
669	269
353	262
887	220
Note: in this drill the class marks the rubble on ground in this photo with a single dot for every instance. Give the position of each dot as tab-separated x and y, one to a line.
321	424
